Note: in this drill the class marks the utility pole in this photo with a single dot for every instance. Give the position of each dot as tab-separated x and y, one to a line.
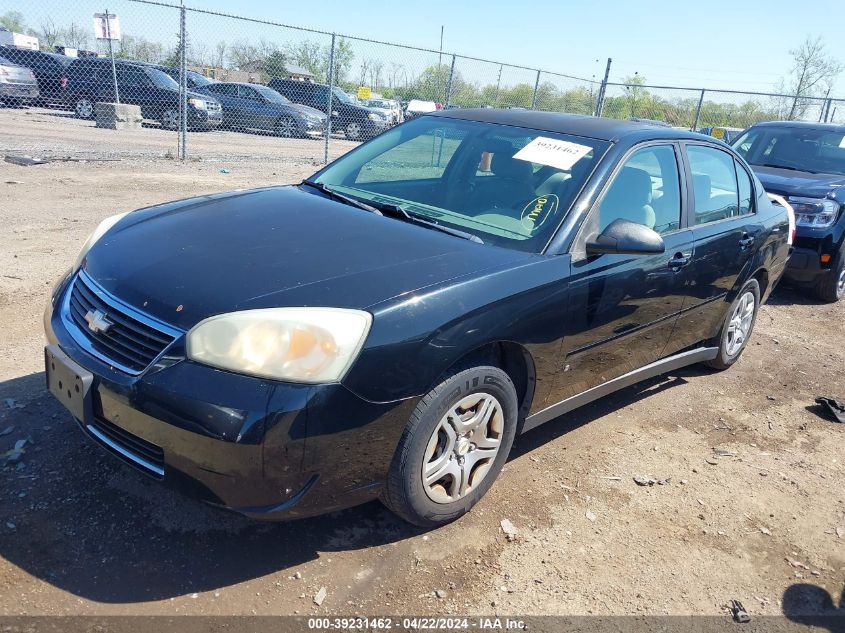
440	57
603	88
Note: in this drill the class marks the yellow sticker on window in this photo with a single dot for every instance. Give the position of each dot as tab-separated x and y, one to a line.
538	211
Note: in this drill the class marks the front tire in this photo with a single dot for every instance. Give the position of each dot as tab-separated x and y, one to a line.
84	108
738	325
170	119
453	448
354	132
832	288
286	127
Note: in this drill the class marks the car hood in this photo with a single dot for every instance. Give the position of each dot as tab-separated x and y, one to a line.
280	246
800	183
298	107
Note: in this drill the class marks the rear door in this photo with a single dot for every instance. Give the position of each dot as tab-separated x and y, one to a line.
623	308
725	230
254	110
227	95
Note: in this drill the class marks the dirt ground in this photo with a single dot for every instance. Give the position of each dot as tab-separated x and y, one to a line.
752	507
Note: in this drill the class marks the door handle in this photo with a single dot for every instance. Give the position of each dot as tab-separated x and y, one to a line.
746	241
679	261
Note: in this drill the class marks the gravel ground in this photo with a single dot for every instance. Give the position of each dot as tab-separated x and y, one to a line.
751	507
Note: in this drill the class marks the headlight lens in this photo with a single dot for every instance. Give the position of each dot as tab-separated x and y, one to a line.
814	212
308	345
199	104
101	230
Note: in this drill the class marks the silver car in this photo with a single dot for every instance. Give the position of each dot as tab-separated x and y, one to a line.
17	83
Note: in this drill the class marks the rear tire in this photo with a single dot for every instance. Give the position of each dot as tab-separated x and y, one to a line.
453	448
737	328
170	119
832	288
84	108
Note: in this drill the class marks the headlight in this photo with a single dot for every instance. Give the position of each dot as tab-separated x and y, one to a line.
199	104
309	345
375	116
101	230
814	212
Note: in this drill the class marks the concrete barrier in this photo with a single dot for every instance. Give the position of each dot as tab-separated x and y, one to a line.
118	116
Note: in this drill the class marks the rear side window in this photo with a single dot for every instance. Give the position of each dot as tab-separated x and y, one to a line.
714	184
746	190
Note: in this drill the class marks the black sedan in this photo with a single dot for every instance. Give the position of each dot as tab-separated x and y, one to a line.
256	107
385	328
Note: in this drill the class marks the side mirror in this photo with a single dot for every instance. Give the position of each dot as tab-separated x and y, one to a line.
625	237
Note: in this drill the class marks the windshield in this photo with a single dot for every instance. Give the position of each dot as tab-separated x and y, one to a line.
271	95
807	149
199	80
341	95
162	79
511	186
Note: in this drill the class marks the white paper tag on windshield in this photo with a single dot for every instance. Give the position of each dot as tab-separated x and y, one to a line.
552	152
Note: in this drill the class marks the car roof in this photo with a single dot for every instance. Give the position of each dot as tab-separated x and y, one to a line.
806	125
613	130
28	51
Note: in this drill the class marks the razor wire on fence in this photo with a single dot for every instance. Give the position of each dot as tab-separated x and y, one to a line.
209	85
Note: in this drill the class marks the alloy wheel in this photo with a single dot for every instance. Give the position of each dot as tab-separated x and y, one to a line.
84	108
840	283
463	447
739	326
170	119
286	127
353	131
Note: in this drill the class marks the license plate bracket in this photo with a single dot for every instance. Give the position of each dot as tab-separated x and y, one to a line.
69	383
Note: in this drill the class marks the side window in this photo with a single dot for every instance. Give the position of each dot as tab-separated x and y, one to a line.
714	184
645	190
420	158
746	190
228	90
131	77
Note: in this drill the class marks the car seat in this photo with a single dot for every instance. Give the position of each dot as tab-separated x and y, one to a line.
629	198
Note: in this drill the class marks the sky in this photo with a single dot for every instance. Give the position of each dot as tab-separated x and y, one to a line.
719	43
730	44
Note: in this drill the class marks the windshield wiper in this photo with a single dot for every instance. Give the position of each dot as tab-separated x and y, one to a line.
393	210
353	202
397	211
789	167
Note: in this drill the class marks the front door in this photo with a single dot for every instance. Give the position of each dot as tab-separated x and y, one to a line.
623	308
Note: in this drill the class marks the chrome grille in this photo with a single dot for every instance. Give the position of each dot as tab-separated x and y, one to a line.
133	340
136	451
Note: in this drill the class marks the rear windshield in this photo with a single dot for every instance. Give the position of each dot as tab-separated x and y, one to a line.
510	186
798	148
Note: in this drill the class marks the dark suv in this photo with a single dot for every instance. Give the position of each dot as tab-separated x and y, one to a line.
357	122
805	163
89	80
49	70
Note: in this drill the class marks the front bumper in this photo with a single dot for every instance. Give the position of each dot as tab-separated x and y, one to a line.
804	267
205	118
266	449
312	127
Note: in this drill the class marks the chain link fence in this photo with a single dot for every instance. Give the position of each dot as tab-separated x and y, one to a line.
198	84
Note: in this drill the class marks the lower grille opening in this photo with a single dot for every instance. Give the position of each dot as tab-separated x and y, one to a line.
135	451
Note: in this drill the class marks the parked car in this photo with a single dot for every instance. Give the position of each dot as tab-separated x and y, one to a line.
385	328
726	134
17	84
193	79
417	107
256	107
49	69
357	122
805	163
90	79
390	109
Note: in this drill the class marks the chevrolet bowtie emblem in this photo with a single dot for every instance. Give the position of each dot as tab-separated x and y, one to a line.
97	321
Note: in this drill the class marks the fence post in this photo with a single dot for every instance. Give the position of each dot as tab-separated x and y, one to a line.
329	98
183	86
536	87
449	82
698	113
111	54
